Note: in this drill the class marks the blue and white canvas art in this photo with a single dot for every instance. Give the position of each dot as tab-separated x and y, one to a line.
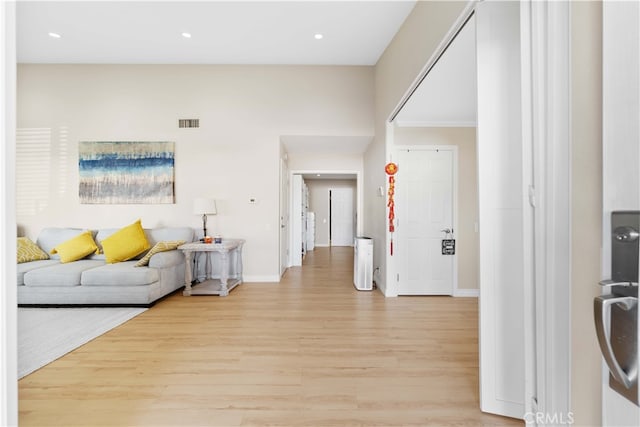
126	172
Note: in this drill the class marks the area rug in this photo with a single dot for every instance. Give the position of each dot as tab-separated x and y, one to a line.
45	334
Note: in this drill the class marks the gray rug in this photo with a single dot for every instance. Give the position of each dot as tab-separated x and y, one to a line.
45	334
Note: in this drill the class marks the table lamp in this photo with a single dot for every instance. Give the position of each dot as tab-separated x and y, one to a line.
204	206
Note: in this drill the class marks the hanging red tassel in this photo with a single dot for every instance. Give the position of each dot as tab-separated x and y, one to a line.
391	169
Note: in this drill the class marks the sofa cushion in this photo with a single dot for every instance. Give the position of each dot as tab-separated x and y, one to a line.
156	235
50	237
76	248
28	266
60	274
167	259
29	251
120	274
126	243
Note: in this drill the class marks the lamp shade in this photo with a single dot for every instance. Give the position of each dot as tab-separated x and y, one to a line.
202	206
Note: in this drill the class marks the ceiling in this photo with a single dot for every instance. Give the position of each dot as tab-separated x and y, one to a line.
252	32
222	32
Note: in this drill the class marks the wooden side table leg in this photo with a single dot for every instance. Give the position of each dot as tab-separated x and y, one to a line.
188	273
209	258
239	263
201	271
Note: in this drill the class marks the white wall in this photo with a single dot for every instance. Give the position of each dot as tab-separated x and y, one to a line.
466	233
329	162
319	203
233	156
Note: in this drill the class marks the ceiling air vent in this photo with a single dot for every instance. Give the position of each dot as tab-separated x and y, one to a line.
189	123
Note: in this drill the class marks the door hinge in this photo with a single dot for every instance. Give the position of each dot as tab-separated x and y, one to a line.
532	196
397	277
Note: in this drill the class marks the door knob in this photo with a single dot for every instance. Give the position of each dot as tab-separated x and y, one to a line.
626	234
447	230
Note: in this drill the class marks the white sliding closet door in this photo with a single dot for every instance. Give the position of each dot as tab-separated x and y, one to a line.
501	203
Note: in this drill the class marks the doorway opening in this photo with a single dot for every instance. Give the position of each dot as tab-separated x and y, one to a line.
434	144
324	211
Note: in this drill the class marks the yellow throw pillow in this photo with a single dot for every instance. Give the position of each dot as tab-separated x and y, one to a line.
77	247
29	251
125	243
159	247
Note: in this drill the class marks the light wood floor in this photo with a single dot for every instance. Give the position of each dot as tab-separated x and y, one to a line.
310	351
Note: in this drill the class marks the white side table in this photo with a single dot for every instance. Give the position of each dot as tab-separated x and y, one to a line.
230	274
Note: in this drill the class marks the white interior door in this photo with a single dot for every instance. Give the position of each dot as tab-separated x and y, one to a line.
342	216
621	155
424	194
502	191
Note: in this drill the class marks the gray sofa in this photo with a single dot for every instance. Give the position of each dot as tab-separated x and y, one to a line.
91	281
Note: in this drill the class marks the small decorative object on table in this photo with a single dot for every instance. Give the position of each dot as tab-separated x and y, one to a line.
208	239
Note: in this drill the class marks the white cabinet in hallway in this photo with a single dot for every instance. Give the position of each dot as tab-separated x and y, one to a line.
299	206
311	231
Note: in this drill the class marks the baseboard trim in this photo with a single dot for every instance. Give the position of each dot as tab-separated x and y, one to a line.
469	293
260	279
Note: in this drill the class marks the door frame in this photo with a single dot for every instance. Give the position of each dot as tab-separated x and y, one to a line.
394	286
546	124
8	294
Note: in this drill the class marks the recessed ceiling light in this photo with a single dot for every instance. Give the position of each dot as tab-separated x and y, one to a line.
54	35
318	174
186	35
318	36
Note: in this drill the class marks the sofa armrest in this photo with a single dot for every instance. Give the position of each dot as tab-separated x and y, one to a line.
166	259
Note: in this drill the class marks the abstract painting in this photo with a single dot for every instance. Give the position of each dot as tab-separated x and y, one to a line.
126	172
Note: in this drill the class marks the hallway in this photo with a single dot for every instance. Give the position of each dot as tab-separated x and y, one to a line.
310	351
